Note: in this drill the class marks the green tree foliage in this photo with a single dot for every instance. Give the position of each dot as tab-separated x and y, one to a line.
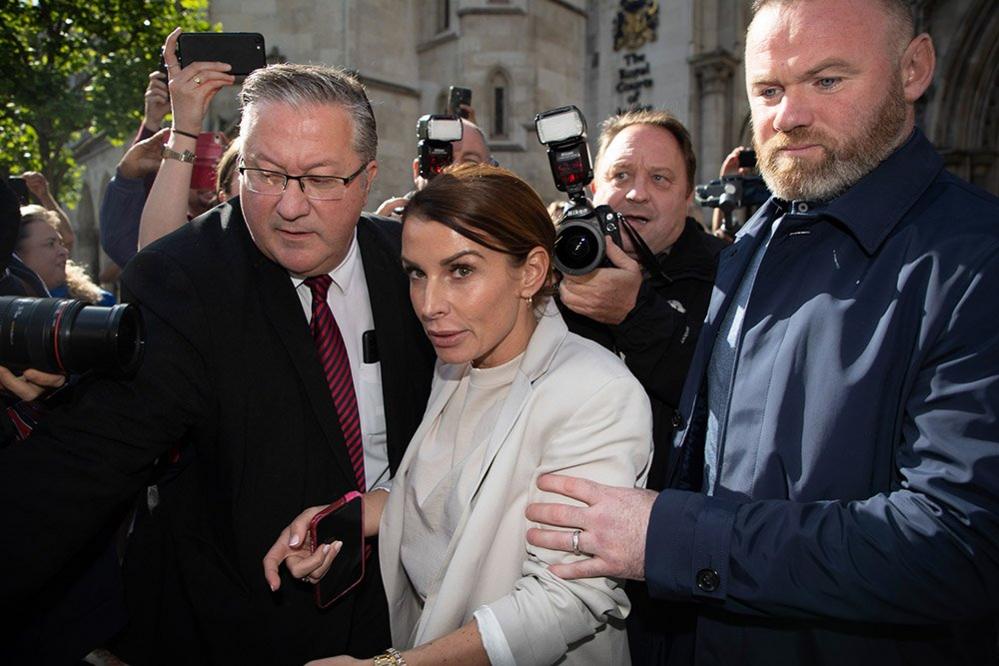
78	67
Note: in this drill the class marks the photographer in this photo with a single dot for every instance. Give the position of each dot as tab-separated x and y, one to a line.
644	170
741	163
471	148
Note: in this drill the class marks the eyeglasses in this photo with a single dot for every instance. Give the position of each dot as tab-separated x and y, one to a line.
320	188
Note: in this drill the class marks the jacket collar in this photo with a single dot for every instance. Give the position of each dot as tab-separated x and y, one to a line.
878	201
690	255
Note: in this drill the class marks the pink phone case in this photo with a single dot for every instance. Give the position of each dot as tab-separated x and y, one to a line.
331	510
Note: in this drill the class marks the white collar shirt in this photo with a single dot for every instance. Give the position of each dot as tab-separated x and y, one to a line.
349	301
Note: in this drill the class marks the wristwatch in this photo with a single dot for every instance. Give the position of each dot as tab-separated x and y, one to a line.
171	154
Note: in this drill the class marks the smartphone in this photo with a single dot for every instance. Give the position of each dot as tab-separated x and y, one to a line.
20	189
456	96
343	520
243	50
747	159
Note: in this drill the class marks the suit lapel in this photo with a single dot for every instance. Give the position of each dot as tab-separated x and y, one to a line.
284	311
732	264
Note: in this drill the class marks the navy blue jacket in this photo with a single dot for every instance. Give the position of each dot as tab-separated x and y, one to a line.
856	513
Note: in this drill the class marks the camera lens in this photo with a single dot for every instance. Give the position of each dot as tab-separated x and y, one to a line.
579	248
59	335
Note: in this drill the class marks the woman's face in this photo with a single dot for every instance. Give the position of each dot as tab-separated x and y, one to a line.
470	299
43	252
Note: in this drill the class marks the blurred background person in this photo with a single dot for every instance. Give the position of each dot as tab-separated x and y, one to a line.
41	248
471	148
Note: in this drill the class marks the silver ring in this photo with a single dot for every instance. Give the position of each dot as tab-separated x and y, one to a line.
305	579
575	543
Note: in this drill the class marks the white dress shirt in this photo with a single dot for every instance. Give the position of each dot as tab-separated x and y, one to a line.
348	300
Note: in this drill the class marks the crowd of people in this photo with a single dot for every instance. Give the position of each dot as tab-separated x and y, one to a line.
774	448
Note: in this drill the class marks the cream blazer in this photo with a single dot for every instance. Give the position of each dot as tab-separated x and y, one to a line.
573	408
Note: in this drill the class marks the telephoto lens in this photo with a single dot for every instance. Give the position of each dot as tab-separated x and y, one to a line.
67	336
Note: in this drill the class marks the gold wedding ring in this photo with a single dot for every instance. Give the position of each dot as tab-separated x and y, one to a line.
197	80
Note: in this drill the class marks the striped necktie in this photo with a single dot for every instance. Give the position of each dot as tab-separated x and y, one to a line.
336	366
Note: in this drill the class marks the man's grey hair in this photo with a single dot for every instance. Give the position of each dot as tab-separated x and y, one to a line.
899	10
305	85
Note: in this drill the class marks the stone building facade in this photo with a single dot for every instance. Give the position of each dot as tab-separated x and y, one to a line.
520	57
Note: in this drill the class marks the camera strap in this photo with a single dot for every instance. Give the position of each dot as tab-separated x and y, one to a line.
645	255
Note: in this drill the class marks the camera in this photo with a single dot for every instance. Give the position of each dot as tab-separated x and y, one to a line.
729	193
456	97
579	238
68	336
435	133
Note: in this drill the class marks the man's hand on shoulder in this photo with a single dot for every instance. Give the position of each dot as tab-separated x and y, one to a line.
607	294
610	530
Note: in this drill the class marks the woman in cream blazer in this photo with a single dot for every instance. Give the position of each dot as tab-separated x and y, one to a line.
515	395
573	408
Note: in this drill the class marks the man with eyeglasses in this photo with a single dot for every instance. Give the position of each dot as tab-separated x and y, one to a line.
283	368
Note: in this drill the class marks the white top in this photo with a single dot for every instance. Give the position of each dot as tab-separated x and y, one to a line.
349	301
442	481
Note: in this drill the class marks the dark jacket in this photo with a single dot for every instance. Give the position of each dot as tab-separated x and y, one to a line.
658	336
855	517
231	376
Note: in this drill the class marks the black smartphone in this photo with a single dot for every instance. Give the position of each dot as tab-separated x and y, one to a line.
342	520
20	189
243	50
747	159
456	96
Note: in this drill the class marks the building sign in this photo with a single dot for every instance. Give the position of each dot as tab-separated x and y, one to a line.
634	27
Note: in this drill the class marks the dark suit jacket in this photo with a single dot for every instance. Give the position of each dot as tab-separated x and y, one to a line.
854	514
230	375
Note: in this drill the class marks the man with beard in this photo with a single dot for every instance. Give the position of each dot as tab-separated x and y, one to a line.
833	494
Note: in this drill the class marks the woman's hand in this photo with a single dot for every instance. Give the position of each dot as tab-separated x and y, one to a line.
193	87
294	548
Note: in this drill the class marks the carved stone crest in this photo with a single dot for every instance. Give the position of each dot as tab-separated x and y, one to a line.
636	24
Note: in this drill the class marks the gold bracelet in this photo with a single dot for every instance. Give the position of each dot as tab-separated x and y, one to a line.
391	657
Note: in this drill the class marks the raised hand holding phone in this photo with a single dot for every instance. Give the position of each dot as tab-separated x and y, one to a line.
192	87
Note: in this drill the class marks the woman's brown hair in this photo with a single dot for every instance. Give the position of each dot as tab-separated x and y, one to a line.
489	205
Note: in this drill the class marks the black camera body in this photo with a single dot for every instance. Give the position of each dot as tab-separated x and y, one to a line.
579	239
435	133
730	193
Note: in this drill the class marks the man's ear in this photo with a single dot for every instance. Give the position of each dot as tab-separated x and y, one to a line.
918	65
370	172
536	268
